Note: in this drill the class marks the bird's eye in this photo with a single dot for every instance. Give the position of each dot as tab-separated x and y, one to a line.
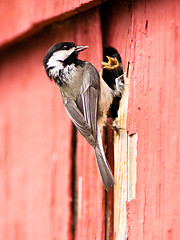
65	47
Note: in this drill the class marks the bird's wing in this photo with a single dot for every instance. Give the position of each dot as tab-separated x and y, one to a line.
88	98
83	112
79	121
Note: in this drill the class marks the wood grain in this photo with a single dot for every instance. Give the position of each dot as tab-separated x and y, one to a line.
91	207
36	143
121	166
146	33
20	19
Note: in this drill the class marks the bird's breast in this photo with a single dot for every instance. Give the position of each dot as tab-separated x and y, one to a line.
72	78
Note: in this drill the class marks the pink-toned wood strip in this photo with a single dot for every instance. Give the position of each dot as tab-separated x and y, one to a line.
35	163
21	18
109	139
148	37
90	192
35	144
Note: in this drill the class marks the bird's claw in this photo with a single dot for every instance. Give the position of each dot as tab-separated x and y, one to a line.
115	127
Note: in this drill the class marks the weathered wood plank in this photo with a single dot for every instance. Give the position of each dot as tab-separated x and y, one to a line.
20	19
35	152
121	166
147	34
109	211
35	140
155	114
90	220
117	26
36	143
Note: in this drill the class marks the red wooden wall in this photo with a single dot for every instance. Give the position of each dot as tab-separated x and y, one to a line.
21	18
36	142
36	134
147	35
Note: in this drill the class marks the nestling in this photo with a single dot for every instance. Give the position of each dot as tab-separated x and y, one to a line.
86	97
113	70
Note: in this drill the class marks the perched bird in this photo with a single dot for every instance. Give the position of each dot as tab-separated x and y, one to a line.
112	69
86	97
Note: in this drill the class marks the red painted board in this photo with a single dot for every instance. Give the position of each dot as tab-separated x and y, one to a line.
36	142
147	34
35	151
160	129
20	19
109	146
90	192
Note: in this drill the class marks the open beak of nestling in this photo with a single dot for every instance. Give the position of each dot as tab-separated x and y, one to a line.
111	64
80	48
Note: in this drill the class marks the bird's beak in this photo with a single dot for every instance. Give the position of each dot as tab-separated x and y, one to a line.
111	64
80	48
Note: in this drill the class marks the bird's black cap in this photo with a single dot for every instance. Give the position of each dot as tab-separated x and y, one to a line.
56	47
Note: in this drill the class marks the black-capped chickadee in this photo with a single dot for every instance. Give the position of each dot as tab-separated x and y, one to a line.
86	97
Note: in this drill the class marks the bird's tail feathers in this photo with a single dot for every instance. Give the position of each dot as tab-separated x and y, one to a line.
103	166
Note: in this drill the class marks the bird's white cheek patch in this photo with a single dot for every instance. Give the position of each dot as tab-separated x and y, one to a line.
62	54
54	63
58	57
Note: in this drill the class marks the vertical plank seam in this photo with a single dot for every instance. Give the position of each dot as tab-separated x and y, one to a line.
74	181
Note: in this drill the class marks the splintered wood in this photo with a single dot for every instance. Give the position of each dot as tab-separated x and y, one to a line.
120	151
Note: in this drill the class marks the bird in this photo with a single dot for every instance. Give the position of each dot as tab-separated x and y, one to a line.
86	97
112	69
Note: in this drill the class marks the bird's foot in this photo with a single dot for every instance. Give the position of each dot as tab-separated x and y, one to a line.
115	127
